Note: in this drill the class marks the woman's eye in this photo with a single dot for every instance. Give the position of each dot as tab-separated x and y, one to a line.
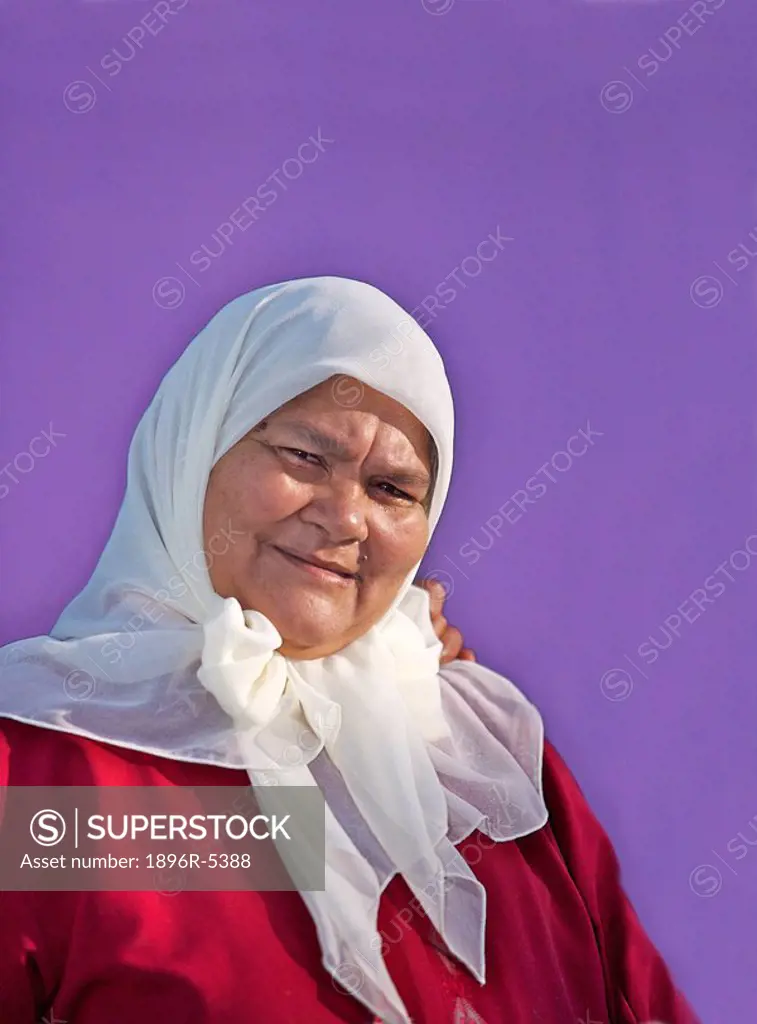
395	492
302	456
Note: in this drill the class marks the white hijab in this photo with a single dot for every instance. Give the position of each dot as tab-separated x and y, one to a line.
411	759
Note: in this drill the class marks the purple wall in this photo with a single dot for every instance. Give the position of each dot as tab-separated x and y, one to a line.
614	145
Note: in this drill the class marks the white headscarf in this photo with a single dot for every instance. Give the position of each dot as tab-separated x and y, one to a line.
410	759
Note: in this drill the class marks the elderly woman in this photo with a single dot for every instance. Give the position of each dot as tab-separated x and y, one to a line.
302	447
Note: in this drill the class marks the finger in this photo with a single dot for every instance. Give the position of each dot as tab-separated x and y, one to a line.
466	654
452	645
436	593
437	596
440	626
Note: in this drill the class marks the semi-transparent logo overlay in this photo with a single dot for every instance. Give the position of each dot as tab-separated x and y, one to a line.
162	838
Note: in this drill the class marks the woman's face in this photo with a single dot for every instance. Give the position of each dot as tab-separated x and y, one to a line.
320	482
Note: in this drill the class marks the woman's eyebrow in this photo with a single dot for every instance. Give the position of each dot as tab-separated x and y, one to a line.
312	436
402	476
330	445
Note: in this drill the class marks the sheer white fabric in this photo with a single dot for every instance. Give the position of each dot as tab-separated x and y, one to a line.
411	759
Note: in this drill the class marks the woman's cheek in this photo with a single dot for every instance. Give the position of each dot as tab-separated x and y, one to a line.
271	496
287	495
402	545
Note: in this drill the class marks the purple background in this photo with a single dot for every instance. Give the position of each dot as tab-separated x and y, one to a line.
446	122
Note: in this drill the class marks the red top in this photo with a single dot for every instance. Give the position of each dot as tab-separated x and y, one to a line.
563	946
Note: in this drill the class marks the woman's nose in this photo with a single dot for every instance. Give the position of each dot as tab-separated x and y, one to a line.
339	508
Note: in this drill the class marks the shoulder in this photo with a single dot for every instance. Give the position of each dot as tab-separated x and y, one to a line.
36	755
584	844
566	802
557	777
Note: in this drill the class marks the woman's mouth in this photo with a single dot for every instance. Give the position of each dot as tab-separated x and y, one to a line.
333	576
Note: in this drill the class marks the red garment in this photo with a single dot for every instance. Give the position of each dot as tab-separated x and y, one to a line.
563	944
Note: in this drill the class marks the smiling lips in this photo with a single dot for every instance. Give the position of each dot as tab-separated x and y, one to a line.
330	572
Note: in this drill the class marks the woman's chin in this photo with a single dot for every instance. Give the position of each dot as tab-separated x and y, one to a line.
298	647
312	625
310	636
